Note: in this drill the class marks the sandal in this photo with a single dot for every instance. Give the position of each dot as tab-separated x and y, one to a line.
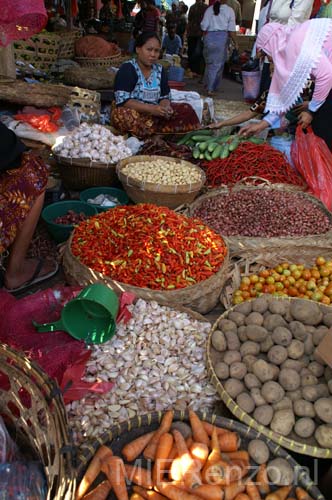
36	277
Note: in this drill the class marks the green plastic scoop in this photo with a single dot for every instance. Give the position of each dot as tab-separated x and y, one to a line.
90	316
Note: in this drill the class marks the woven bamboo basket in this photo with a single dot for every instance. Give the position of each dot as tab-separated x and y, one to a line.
67	43
90	78
305	446
82	173
244	245
161	195
40	50
266	259
33	410
98	62
125	432
87	102
201	297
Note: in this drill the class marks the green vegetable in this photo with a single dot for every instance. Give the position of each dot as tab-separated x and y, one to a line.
224	153
200	138
256	140
234	144
201	156
190	143
208	156
216	152
196	153
202	146
212	146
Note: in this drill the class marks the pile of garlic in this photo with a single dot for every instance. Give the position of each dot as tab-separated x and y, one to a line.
94	142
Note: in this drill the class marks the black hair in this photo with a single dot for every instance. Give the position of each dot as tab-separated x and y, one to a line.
216	8
145	37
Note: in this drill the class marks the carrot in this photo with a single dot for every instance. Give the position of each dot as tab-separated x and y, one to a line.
189	442
139	476
199	452
116	475
237	455
175	470
133	449
147	494
280	494
100	492
199	433
209	492
242	496
301	494
92	471
229	441
262	480
189	472
165	426
215	469
173	493
161	460
209	428
173	453
232	490
252	491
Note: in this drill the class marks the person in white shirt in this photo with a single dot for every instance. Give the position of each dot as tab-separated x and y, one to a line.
290	12
218	25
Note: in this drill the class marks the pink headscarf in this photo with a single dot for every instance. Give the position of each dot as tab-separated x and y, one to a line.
295	51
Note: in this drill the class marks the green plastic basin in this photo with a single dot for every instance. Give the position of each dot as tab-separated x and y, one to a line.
95	191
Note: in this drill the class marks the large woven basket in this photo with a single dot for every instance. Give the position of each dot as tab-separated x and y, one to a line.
162	195
81	173
33	410
201	297
90	78
307	446
121	434
266	259
40	50
244	245
67	43
87	102
98	62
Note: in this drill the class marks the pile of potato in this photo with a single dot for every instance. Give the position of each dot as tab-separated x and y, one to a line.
263	352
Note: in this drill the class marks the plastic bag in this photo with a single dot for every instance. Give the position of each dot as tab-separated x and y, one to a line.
8	449
22	481
313	160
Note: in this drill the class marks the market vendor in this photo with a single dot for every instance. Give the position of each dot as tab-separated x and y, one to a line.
311	56
23	179
142	95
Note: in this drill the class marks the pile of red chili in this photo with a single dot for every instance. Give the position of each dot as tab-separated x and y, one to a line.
259	160
149	247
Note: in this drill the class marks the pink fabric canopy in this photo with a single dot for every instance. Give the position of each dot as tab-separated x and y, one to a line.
21	19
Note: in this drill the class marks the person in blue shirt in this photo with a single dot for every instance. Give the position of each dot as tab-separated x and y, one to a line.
172	43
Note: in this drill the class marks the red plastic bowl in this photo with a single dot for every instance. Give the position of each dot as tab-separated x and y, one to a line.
175	85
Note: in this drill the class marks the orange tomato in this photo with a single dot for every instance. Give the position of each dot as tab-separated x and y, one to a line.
264	274
246	294
238	300
271	288
296	274
285	265
258	286
324	271
315	274
326	300
279	269
286	283
254	278
244	287
302	289
311	285
306	274
292	291
245	280
320	261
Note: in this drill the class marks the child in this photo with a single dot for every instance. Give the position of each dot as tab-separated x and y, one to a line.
172	43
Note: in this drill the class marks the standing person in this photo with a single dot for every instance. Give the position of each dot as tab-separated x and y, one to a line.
194	36
182	21
310	57
236	6
172	16
290	13
218	24
106	14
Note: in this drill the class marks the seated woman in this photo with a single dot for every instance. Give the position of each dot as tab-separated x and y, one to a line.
23	179
142	95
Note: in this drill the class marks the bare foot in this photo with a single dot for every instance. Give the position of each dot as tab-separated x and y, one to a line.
25	273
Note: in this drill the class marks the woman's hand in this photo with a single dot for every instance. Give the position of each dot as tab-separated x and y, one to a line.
160	111
305	118
215	125
301	107
253	129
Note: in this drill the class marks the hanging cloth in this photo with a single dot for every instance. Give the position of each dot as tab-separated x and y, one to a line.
21	19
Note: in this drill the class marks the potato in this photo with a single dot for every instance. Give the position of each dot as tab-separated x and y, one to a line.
328	373
306	311
257	397
277	354
323	409
254	318
237	318
284	404
232	357
276	371
304	427
233	342
305	371
280	472
282	336
249	347
295	349
309	345
234	387
218	340
303	408
289	379
294	395
305	360
309	379
260	305
298	330
266	344
319	334
242	333
258	451
251	381
249	360
244	308
272	321
245	402
256	333
277	306
263	414
283	422
237	370
316	368
272	392
323	435
182	427
313	392
222	370
327	319
263	370
226	325
293	364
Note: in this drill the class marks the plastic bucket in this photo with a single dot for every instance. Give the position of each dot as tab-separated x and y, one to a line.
95	191
251	84
176	73
284	145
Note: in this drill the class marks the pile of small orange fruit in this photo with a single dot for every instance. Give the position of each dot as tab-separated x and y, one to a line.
289	280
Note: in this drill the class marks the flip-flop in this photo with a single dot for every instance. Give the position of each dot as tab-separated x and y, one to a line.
36	278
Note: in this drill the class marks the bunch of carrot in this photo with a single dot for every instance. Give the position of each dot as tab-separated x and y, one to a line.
208	465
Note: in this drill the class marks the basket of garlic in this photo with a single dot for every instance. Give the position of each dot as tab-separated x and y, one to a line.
88	156
162	180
